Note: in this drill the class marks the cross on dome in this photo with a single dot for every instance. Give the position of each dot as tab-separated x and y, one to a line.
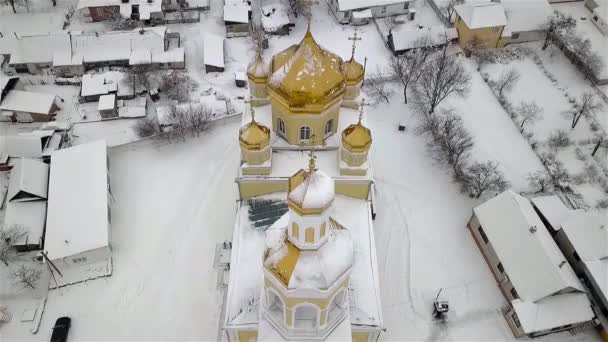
311	156
308	5
363	103
354	38
251	108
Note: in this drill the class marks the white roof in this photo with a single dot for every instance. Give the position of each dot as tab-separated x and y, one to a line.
140	56
27	101
107	102
553	209
35	48
528	15
217	107
63	58
362	14
553	311
29	180
30	216
236	13
4	80
316	191
530	257
482	15
174	55
78	200
274	20
132	112
145	7
347	5
22	146
411	38
99	84
214	50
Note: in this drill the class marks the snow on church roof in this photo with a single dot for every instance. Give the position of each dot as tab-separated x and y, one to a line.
481	15
77	219
248	246
316	191
524	247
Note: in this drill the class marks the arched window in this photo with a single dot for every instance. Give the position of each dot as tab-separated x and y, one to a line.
329	125
281	125
306	317
305	133
335	307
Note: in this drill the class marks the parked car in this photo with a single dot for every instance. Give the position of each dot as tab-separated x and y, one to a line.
61	329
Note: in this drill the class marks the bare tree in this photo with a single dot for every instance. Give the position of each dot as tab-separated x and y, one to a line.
587	106
179	121
441	77
139	76
449	9
507	81
375	86
407	67
558	138
197	118
8	236
10	3
147	126
540	180
559	25
588	61
529	112
390	23
450	143
121	23
482	177
27	275
600	139
177	85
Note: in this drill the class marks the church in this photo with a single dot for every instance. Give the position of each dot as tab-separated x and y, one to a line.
303	263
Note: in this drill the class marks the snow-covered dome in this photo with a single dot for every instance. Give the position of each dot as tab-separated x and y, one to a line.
353	71
254	136
306	74
257	71
304	269
311	190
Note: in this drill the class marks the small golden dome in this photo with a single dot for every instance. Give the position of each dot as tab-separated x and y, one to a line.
306	75
353	71
254	136
357	138
257	71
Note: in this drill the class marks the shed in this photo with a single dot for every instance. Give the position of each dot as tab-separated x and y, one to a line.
78	218
275	19
240	79
107	106
26	106
29	181
214	53
404	39
236	20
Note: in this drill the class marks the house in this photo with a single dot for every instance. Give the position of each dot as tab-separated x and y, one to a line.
31	53
404	39
599	9
349	11
26	106
94	86
275	19
29	181
67	65
527	21
551	211
148	11
213	55
542	290
107	106
480	25
78	215
236	19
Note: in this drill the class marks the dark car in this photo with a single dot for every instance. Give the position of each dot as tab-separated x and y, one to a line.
61	329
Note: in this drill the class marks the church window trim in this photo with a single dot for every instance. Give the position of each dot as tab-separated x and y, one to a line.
281	126
305	132
329	127
311	305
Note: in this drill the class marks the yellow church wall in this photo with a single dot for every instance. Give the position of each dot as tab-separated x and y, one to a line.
248	336
293	121
352	91
353	172
255	157
258	90
360	336
355	190
252	171
257	187
489	36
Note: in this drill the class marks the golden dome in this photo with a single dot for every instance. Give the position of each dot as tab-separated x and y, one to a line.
353	71
307	76
357	138
257	71
254	136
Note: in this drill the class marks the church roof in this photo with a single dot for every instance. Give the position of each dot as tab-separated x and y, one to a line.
353	71
318	269
310	191
306	75
257	71
356	137
254	136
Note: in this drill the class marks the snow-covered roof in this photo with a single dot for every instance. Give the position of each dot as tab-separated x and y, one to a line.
174	55
77	219
552	209
22	146
413	37
140	56
362	14
28	102
529	15
482	15
248	247
6	82
214	50
35	48
107	102
347	5
316	191
101	84
65	58
29	180
236	13
132	112
274	17
217	107
553	311
145	7
30	216
530	257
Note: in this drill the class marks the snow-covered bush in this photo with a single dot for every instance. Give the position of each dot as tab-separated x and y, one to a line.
558	139
591	172
579	179
580	155
602	204
479	178
146	127
540	180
